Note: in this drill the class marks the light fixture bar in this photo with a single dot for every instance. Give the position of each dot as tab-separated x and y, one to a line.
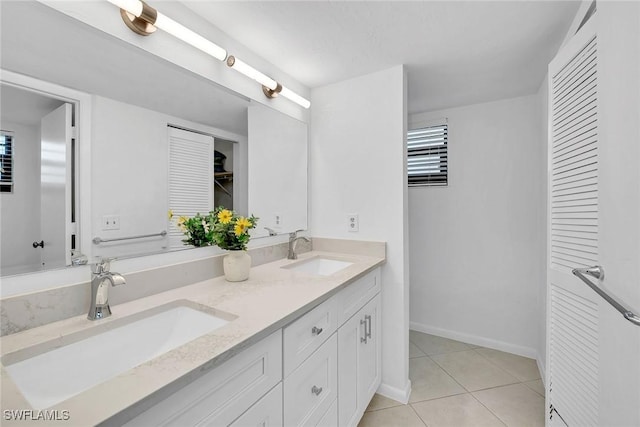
246	69
186	35
270	87
292	96
144	19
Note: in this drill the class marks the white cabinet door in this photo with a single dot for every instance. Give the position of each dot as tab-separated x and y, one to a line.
358	362
369	360
267	412
312	388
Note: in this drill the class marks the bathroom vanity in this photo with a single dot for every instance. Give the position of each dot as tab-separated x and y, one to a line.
297	344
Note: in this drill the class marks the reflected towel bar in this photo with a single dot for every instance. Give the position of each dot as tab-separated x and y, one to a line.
598	273
98	240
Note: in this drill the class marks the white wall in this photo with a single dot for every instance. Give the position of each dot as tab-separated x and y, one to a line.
357	145
477	245
20	214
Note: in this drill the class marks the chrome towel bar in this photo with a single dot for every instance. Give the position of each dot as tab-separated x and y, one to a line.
598	273
98	240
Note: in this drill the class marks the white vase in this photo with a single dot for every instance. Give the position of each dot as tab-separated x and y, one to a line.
236	266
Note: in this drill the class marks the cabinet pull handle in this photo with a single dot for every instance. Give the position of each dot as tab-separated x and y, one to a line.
364	339
316	331
316	390
368	319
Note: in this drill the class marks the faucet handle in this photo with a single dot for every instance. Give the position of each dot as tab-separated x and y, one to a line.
294	234
102	265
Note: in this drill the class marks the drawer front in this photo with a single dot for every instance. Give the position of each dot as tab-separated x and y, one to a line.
267	412
330	418
352	298
307	333
311	389
220	396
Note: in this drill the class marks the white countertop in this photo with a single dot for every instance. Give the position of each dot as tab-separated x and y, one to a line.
270	299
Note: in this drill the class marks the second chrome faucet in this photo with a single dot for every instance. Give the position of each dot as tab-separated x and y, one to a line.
293	239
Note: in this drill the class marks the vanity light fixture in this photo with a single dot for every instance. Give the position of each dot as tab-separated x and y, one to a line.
144	19
270	87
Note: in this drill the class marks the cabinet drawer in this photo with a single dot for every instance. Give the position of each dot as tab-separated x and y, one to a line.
307	333
267	412
355	296
220	396
311	389
330	418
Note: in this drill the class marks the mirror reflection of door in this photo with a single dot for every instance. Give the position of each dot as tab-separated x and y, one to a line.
55	196
37	208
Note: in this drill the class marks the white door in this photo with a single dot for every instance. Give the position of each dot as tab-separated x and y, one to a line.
56	135
593	352
190	178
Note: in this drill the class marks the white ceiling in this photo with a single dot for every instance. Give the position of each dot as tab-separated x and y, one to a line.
456	52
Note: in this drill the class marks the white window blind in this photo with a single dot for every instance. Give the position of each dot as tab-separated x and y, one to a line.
6	162
427	156
190	177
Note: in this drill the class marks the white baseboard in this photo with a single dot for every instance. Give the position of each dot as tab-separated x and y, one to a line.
477	340
395	393
541	368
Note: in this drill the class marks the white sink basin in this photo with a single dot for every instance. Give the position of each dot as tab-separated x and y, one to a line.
319	266
55	375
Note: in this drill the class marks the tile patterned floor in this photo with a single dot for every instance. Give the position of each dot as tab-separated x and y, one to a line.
455	384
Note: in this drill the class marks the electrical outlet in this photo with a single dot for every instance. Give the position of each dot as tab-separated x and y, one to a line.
352	222
111	222
277	220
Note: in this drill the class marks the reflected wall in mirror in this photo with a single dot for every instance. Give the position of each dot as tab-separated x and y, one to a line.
137	100
38	152
278	149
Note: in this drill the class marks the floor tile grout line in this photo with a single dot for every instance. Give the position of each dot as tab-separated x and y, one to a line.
418	415
490	411
496	365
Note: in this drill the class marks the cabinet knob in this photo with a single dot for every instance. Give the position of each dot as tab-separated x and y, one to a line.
38	244
316	331
316	390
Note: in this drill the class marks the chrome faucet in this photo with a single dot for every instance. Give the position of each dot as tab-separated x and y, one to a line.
293	238
100	274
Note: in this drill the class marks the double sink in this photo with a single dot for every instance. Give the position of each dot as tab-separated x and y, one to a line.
54	371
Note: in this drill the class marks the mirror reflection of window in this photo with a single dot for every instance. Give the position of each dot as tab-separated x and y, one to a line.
6	162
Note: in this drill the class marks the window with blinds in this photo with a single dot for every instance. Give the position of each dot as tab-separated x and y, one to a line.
427	156
6	162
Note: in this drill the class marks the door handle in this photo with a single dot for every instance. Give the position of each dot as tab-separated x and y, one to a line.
40	244
364	322
598	272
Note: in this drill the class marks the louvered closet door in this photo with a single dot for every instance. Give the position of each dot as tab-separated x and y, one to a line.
190	178
593	353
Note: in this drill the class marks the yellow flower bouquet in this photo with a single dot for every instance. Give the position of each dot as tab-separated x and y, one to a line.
229	230
220	227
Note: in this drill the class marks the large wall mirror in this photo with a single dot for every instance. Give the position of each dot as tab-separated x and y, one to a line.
161	138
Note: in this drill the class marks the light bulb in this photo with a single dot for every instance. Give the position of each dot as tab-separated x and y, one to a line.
186	35
252	73
134	7
292	96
